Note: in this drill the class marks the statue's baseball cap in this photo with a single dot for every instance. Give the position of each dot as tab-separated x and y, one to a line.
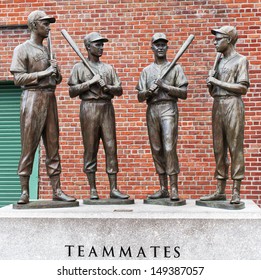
158	36
39	15
229	31
93	37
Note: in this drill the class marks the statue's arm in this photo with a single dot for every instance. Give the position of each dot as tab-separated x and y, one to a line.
19	69
178	87
239	88
178	92
76	86
144	93
26	79
75	90
115	88
241	84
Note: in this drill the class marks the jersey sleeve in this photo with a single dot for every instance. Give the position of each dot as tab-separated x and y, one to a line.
74	76
141	85
242	72
18	60
20	70
181	79
115	78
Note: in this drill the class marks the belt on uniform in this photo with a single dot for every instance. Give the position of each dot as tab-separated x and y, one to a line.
97	100
51	90
226	96
162	102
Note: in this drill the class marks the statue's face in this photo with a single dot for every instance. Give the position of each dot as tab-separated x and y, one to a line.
42	28
221	42
96	48
160	48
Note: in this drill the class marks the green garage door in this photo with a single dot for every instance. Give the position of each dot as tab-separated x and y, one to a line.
10	146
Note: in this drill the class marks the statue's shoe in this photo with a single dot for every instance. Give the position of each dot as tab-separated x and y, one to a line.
214	196
159	194
117	194
59	195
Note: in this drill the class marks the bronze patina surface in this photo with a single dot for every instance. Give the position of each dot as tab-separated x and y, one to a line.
36	70
161	96
227	82
165	202
97	115
44	204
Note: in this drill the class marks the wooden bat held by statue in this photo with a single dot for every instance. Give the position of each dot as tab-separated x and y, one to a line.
50	48
78	52
178	56
49	44
213	71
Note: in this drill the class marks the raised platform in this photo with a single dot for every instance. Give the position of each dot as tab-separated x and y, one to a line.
137	231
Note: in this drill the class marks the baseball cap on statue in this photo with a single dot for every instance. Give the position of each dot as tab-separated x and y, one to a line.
229	31
93	37
39	15
158	36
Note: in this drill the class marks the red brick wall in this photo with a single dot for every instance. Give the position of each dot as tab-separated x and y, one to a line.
129	26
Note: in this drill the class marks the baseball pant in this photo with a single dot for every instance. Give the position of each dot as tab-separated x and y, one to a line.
98	122
38	117
228	134
162	122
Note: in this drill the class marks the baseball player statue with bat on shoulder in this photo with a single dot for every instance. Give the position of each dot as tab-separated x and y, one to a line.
161	84
96	83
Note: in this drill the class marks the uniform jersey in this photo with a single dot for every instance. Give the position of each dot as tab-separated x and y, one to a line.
28	59
175	77
80	74
234	70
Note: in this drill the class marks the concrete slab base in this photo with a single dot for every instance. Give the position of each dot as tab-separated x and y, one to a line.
137	231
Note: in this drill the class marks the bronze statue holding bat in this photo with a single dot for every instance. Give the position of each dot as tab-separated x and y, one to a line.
96	83
37	72
161	84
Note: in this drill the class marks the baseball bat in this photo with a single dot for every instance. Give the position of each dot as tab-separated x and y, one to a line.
178	55
217	59
49	42
76	49
213	71
78	52
50	49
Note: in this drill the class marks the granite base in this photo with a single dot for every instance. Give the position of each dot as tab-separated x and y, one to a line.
164	233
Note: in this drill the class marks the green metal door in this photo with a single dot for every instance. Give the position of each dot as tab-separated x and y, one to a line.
10	146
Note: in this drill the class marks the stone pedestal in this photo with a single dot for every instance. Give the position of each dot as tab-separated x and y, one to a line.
164	233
